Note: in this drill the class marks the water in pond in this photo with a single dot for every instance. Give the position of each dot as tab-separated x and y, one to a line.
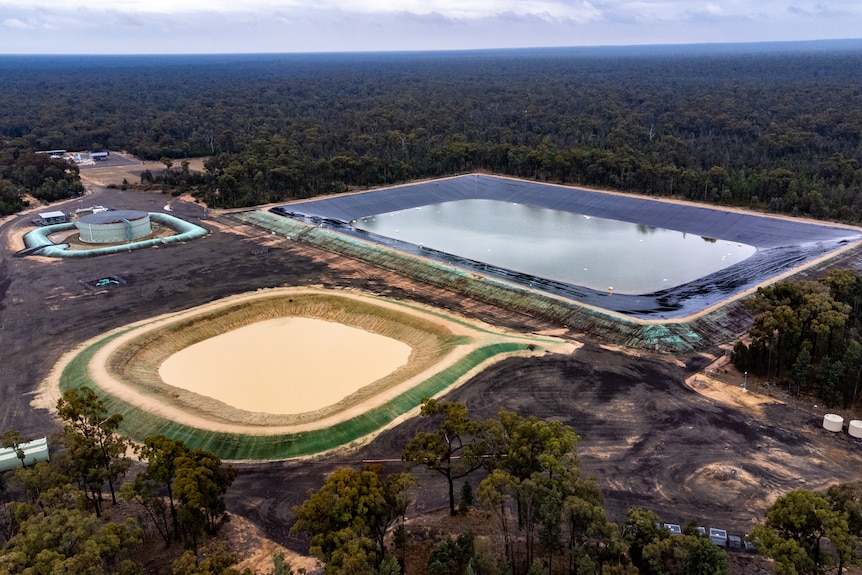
284	365
593	252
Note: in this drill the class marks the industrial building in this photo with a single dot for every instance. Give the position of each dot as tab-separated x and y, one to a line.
51	218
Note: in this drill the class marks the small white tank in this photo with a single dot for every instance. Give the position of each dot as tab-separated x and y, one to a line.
855	428
833	422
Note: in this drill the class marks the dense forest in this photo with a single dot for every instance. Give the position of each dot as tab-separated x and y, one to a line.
771	129
806	336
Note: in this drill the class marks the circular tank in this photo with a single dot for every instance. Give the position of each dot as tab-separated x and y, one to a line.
832	422
112	227
855	428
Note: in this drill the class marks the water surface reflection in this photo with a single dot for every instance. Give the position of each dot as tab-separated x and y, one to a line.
593	252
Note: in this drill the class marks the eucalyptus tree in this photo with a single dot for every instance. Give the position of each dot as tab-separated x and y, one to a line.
154	486
12	439
455	447
200	485
94	454
796	529
348	517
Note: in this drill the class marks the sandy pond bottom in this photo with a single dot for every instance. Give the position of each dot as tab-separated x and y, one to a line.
285	365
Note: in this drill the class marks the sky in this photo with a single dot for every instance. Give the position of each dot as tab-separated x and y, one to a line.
290	26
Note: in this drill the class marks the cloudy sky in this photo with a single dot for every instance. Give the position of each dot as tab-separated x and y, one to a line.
238	26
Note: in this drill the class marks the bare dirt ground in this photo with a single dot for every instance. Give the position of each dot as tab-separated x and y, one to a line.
648	437
120	166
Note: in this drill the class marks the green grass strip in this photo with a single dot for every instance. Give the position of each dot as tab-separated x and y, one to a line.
139	424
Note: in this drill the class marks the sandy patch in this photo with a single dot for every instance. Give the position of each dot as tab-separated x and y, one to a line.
285	365
736	396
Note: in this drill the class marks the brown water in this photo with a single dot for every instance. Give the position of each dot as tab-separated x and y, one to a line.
284	365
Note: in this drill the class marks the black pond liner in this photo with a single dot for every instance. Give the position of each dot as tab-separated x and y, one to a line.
782	244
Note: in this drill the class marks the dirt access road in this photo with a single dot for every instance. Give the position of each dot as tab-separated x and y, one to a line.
648	438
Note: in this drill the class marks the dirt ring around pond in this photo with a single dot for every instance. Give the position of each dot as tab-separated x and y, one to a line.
123	367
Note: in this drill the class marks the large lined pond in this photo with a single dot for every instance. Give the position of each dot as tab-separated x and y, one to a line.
538	232
594	252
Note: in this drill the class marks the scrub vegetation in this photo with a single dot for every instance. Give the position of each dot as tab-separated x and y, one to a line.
539	514
55	516
771	130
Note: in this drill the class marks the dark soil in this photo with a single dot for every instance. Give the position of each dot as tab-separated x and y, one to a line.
647	438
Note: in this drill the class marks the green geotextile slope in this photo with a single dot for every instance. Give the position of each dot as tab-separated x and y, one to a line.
673	337
138	424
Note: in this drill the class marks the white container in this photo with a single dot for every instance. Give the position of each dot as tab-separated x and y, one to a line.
833	422
855	428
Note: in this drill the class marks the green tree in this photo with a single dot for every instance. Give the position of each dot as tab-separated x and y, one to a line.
796	525
534	463
67	541
846	498
686	554
530	447
641	529
280	566
217	561
466	499
495	492
156	482
46	486
452	556
95	454
453	449
802	366
348	517
593	541
200	485
12	439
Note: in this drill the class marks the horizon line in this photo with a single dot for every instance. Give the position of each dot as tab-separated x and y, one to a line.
586	47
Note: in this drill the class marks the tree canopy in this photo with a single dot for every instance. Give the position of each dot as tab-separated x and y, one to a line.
777	131
51	514
799	524
349	516
808	335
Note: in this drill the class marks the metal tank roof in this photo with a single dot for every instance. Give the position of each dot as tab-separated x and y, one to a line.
112	217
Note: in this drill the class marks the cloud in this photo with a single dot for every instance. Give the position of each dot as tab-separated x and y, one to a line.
576	10
16	23
219	26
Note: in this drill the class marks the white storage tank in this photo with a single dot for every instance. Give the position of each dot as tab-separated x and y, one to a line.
833	422
855	428
114	227
34	451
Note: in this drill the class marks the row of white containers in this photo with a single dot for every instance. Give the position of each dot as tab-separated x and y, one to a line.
833	422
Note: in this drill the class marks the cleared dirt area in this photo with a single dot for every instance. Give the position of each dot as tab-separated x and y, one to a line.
649	438
120	166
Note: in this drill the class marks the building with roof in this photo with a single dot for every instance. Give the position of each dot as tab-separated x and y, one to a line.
51	218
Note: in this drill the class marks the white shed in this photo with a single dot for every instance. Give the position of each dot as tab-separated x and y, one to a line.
56	217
